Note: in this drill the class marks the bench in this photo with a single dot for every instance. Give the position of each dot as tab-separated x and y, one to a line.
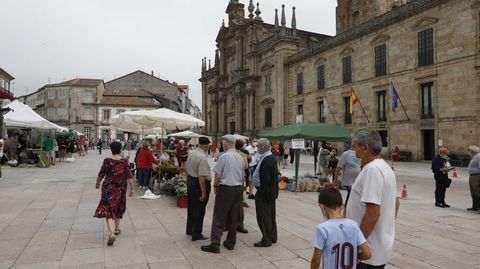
405	156
461	160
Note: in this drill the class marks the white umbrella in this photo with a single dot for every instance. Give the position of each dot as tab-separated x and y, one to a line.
192	135
132	127
186	134
163	117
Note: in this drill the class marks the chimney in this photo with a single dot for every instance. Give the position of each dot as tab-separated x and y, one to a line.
152	74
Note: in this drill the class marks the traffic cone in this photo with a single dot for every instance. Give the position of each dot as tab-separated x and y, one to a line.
454	173
404	192
392	166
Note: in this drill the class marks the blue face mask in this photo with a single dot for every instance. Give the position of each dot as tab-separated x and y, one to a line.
353	157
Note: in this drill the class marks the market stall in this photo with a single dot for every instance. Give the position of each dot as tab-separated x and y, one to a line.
311	131
162	118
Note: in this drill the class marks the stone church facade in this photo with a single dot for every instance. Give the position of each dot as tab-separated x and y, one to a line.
265	76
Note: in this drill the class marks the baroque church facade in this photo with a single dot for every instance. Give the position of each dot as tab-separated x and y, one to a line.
269	75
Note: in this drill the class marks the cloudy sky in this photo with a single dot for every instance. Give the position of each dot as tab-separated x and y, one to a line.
56	40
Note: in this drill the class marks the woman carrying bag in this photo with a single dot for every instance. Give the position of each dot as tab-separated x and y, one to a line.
440	168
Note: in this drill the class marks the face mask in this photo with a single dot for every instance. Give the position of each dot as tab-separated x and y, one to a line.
254	144
353	157
359	157
445	157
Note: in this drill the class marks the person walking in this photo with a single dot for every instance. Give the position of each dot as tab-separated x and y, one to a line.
349	164
373	202
115	174
440	171
99	146
229	174
144	160
474	178
198	188
265	179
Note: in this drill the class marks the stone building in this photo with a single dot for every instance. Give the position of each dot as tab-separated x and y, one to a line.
71	103
170	94
6	89
428	49
115	102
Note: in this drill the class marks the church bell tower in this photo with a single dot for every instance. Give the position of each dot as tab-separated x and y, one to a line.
351	13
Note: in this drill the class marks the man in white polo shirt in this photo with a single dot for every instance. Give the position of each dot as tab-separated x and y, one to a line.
373	200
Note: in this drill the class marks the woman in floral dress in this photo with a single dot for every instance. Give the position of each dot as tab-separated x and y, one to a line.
115	173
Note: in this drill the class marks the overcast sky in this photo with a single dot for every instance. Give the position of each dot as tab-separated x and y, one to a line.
56	40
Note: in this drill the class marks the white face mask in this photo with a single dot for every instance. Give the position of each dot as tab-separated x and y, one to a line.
353	157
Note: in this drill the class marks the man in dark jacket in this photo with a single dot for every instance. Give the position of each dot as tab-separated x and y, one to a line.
265	179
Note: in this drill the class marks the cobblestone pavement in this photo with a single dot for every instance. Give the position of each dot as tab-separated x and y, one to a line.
46	222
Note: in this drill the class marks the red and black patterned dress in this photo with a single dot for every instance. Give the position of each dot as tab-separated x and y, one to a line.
114	188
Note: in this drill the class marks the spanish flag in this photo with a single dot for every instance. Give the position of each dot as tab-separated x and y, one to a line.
353	99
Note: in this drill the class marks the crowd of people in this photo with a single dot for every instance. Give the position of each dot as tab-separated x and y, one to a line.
360	229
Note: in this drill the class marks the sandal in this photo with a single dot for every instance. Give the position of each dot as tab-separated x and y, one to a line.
111	239
117	232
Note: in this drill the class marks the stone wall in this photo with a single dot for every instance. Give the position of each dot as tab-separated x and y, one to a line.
454	77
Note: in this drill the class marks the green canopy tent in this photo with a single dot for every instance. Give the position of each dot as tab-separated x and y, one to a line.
66	133
310	131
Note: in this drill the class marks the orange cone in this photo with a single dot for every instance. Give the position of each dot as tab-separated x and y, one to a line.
392	166
404	192
454	173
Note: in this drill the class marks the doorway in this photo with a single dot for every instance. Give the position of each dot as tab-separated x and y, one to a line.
428	137
232	127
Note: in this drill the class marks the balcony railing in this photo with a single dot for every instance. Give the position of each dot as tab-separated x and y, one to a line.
6	94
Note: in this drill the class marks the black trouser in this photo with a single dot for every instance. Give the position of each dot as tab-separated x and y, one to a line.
368	266
440	189
474	182
349	189
266	219
196	208
227	203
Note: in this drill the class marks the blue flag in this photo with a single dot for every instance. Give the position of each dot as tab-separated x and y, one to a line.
394	98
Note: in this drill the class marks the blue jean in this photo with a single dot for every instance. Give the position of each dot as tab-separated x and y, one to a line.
143	176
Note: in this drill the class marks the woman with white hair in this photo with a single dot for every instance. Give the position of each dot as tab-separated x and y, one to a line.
474	179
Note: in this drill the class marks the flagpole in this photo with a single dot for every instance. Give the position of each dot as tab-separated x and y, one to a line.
331	112
399	99
360	103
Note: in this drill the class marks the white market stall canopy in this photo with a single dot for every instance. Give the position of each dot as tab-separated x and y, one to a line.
23	116
163	117
189	134
127	125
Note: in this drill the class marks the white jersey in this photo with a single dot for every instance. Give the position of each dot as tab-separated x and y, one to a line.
339	240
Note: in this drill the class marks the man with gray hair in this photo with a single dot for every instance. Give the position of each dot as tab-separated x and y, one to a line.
373	200
474	178
229	174
265	179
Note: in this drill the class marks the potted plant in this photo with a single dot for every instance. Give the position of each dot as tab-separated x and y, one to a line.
182	200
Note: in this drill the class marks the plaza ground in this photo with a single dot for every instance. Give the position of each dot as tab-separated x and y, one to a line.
46	221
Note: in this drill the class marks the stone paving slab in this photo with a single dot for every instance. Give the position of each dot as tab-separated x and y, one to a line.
46	221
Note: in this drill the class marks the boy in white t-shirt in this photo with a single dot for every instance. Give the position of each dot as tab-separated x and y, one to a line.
338	240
